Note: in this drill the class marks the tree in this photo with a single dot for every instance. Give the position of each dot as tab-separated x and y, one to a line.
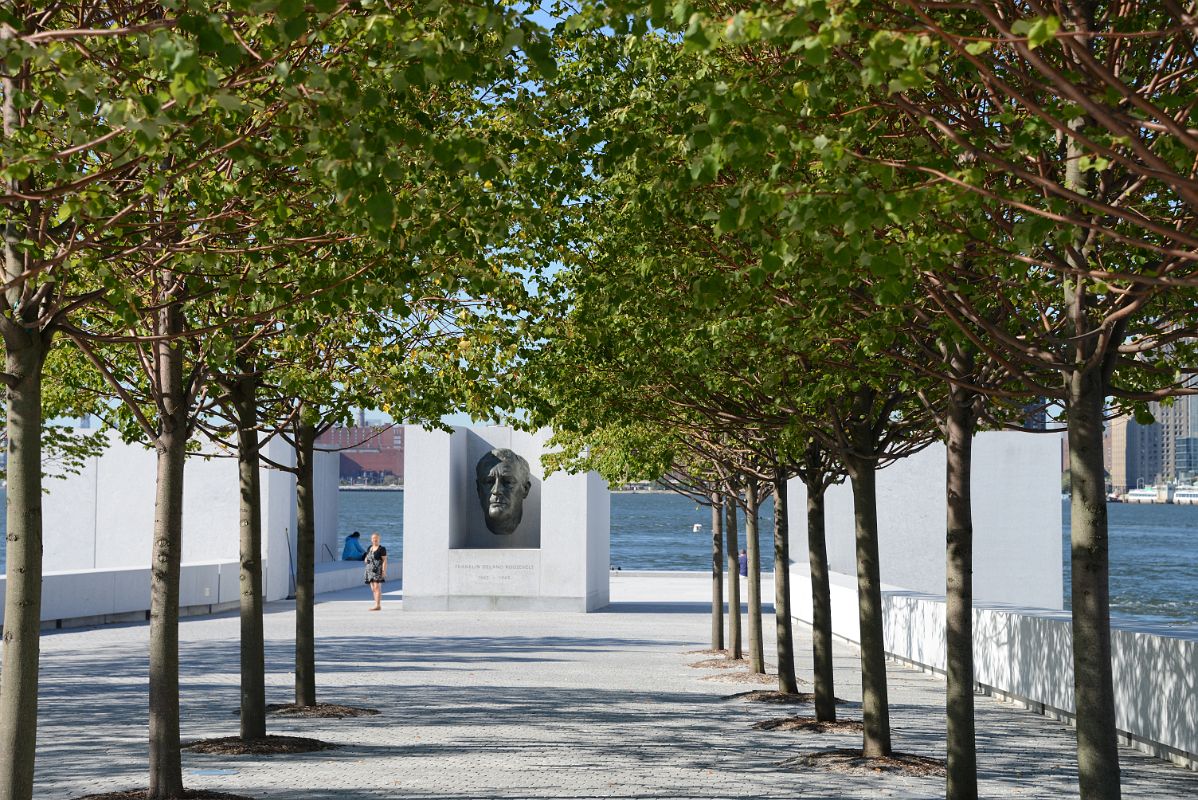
818	471
812	119
204	112
643	148
717	581
699	482
1075	117
237	388
359	357
753	551
629	452
100	114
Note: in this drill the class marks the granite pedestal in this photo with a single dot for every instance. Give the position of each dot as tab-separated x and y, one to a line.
557	559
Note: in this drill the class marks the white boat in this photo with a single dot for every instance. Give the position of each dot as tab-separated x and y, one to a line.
1186	496
1147	494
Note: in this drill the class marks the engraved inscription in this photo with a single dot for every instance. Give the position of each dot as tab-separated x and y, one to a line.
482	578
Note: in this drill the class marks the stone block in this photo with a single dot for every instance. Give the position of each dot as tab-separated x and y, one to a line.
556	558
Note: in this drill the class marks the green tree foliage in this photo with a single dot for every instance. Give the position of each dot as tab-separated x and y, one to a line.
1028	170
159	161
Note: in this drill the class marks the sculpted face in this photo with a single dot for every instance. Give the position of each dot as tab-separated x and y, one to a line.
503	481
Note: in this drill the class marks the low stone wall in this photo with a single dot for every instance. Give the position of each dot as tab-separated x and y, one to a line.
75	598
1025	655
95	596
336	576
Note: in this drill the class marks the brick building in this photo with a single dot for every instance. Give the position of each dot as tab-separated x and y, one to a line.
371	454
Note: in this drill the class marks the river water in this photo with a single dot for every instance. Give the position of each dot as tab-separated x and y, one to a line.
1154	548
649	530
1154	561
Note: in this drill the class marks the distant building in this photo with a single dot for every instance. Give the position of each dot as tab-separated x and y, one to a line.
1164	452
1186	448
1134	453
1174	423
1108	454
370	454
1186	445
1035	416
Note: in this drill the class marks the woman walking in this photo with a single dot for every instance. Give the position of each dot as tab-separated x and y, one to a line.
376	570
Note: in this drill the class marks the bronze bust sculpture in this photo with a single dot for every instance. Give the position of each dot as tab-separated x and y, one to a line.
503	481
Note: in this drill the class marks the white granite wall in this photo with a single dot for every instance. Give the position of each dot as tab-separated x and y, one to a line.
1016	516
98	531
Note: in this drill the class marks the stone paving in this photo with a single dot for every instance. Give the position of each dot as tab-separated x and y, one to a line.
517	706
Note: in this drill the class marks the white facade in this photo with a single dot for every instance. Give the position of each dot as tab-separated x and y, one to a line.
98	531
450	565
1017	510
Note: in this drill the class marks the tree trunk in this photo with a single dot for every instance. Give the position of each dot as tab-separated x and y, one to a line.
821	603
962	768
253	640
1086	392
1097	745
735	649
166	773
875	703
717	573
25	353
305	568
753	546
783	625
24	357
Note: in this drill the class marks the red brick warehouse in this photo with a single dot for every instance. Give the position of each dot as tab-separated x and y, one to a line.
369	453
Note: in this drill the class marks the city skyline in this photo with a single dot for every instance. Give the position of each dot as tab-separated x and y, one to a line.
1164	451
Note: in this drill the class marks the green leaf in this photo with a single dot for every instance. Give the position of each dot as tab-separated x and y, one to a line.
295	27
289	8
541	53
977	48
381	208
1038	30
728	220
1093	163
696	37
513	39
817	52
708	290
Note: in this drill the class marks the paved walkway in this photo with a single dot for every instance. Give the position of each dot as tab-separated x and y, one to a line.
516	706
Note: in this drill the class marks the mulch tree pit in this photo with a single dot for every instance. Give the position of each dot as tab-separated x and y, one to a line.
809	725
742	677
851	762
266	746
319	711
190	794
780	698
721	663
